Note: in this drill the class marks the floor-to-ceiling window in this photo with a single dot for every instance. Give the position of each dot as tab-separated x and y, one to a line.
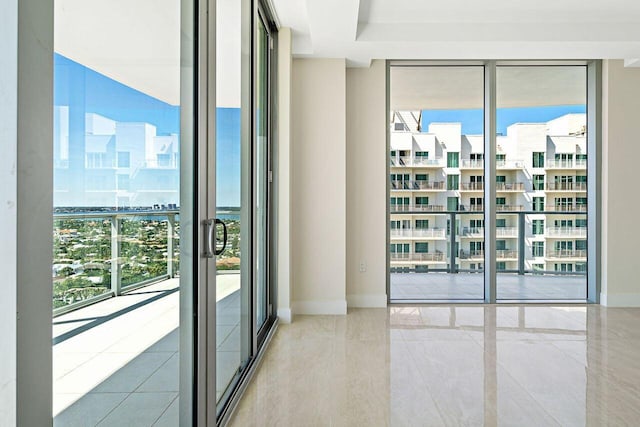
138	338
504	146
117	212
437	183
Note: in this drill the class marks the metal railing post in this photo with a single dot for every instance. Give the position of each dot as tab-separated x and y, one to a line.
116	277
171	219
521	246
452	243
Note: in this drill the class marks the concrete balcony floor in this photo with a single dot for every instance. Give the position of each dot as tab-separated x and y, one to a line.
470	286
116	362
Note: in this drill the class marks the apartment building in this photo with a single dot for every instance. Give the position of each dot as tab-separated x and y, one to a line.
437	196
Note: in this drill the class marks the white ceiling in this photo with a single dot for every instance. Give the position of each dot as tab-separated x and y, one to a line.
361	30
436	88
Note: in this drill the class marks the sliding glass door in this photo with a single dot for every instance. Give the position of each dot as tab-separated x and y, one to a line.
493	153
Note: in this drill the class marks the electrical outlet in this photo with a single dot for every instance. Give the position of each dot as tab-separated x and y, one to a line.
363	267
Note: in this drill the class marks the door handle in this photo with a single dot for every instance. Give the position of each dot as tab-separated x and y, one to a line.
224	237
211	238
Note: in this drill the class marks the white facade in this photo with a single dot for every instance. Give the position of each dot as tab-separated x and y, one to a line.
438	176
120	165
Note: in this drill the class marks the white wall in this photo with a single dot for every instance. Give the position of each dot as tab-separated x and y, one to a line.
318	189
366	186
621	151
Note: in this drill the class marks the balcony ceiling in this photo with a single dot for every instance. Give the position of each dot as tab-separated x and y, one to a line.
362	30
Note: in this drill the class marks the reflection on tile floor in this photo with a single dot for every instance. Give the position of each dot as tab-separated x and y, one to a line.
451	365
470	286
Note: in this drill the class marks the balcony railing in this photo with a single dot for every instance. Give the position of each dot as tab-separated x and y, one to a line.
426	233
506	231
567	164
566	232
510	164
471	164
510	186
504	208
567	253
417	185
406	161
417	208
428	256
566	186
473	231
98	254
501	254
472	186
566	208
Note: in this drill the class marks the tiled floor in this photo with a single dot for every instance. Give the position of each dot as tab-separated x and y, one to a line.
468	286
451	365
116	363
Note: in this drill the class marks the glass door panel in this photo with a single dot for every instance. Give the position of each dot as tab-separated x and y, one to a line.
233	197
436	183
541	125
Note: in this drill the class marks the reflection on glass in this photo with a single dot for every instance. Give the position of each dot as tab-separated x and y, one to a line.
542	153
233	172
437	183
116	217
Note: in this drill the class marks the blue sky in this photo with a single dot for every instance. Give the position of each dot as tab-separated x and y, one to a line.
78	86
473	120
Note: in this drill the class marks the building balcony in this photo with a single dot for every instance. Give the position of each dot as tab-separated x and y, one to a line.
567	164
471	164
418	162
506	231
561	232
471	255
506	187
509	208
510	164
472	186
418	257
416	208
478	232
567	254
418	185
473	232
566	208
419	233
566	186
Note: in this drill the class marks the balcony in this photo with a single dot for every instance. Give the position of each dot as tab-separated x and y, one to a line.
566	208
116	317
561	232
506	231
567	164
416	208
472	186
566	186
471	164
567	254
507	187
417	162
501	254
471	255
509	208
473	232
418	185
418	233
418	257
510	164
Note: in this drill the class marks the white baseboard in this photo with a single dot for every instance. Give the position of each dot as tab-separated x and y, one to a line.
367	301
284	315
620	300
319	307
